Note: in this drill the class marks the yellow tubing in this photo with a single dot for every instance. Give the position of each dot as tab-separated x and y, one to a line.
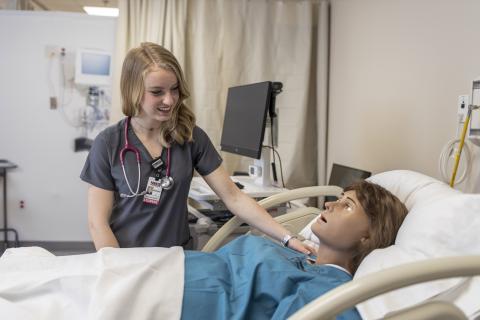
460	147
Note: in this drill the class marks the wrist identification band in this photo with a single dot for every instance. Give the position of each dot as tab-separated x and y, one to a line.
287	238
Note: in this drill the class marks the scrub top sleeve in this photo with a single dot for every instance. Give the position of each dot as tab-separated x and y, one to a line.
204	156
97	168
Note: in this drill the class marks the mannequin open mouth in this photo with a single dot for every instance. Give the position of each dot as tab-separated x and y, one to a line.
322	218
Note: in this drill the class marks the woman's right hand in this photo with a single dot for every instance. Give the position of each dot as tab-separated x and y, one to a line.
100	204
299	246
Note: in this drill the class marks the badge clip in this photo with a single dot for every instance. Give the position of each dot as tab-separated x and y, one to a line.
157	163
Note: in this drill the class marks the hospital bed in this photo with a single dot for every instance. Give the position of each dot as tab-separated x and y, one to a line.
439	239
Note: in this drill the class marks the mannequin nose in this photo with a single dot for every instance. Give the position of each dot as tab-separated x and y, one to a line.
329	205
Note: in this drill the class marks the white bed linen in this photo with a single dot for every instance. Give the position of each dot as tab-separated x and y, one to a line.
136	283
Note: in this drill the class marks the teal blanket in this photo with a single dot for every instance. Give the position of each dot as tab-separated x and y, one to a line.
254	278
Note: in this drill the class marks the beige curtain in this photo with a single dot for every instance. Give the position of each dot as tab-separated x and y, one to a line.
224	43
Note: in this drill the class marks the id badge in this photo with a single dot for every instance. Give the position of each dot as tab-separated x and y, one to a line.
153	191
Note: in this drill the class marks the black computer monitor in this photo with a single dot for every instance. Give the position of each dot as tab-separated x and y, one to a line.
343	176
245	118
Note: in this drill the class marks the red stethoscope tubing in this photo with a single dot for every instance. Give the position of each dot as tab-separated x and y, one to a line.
168	162
126	148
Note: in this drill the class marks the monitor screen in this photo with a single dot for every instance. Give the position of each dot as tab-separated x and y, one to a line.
343	176
92	67
245	116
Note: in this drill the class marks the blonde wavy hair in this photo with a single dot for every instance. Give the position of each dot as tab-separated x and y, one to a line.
137	64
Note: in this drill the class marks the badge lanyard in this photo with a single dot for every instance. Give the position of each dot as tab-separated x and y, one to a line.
156	185
165	183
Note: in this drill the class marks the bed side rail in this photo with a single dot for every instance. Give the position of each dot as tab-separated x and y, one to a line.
267	203
361	289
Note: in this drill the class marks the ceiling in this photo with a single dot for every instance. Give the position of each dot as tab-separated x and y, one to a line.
64	5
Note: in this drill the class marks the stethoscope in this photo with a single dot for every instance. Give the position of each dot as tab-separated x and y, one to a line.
166	182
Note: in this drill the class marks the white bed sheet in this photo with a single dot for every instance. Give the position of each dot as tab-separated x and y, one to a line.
136	283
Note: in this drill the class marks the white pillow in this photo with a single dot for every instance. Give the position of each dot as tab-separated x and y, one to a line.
310	239
413	188
450	226
441	222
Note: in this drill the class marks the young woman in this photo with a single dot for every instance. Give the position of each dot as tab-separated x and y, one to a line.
140	169
254	278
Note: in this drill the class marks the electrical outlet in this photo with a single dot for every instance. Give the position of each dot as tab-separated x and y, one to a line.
53	103
462	106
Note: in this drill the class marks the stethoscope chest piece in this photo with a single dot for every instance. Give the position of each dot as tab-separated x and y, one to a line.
166	183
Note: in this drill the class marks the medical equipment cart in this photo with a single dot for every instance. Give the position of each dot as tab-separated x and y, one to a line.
6	165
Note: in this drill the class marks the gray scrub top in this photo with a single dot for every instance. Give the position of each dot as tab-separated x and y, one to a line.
139	224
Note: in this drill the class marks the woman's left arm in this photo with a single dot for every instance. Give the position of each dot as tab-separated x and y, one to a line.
248	209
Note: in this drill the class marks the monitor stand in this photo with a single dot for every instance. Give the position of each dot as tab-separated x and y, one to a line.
260	170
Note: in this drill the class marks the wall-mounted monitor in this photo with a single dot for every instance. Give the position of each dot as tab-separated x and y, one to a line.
245	116
93	67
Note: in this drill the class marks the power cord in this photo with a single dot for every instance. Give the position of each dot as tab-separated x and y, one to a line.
274	164
275	152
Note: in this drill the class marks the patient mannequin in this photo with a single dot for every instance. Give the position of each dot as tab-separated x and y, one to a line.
255	278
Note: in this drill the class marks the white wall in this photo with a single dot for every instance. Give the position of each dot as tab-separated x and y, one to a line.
35	137
397	69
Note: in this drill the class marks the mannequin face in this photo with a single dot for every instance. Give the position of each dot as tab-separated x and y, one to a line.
343	224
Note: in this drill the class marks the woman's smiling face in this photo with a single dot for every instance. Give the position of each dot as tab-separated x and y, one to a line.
161	95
